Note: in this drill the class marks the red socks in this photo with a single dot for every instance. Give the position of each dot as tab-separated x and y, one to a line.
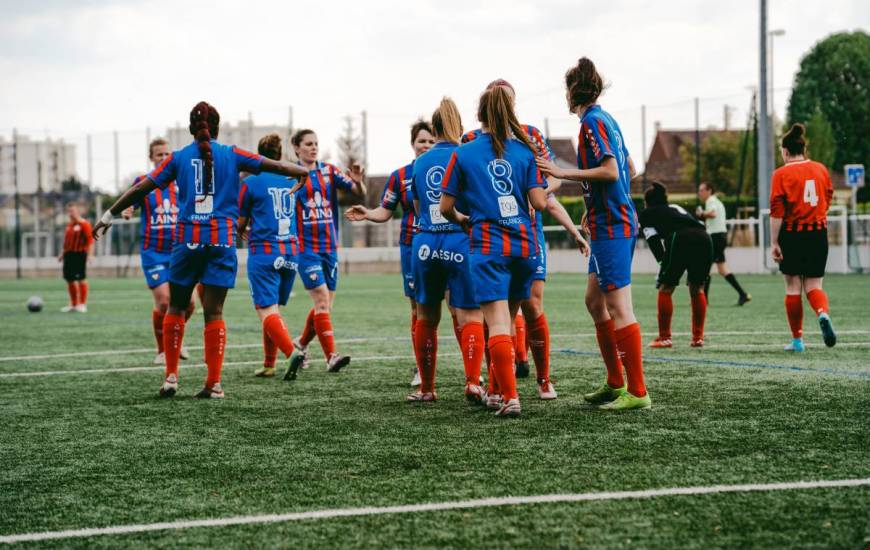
215	336
818	300
521	345
472	351
628	340
274	327
666	312
173	334
308	332
157	325
539	339
794	310
323	328
501	348
83	292
699	315
270	350
426	347
607	344
73	291
413	324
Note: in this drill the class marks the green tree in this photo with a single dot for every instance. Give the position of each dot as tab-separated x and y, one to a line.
822	145
720	161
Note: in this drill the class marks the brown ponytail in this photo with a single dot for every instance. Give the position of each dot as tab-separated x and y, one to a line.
496	112
795	141
583	83
204	125
446	121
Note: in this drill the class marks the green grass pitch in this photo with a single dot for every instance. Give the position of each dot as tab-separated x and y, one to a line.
94	449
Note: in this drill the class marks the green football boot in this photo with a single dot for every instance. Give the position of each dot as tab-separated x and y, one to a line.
627	402
604	394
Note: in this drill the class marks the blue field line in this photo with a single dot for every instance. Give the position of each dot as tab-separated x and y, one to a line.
647	359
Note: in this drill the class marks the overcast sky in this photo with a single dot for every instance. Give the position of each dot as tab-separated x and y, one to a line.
76	67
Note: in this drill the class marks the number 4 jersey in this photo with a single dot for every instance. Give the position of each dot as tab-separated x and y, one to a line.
800	194
207	212
266	200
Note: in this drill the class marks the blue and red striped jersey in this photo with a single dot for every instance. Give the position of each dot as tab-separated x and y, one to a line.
270	206
316	201
496	194
207	213
610	211
158	213
399	190
429	171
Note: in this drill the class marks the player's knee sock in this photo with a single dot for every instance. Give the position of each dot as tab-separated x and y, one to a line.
522	341
699	314
277	331
323	327
83	292
308	331
472	351
666	313
457	330
188	313
157	324
732	280
426	346
794	311
818	300
606	336
539	340
173	335
628	340
492	378
73	291
501	348
215	339
270	350
413	325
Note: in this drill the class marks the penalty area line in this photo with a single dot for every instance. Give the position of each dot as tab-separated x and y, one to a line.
433	507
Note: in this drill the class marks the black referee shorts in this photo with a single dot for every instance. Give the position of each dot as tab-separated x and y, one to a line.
720	241
75	266
690	250
804	253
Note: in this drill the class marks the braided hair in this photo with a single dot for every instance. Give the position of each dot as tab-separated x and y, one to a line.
204	125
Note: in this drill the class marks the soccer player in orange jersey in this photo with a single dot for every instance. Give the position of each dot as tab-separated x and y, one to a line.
78	247
800	195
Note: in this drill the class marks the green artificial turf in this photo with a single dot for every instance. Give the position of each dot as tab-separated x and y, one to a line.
96	449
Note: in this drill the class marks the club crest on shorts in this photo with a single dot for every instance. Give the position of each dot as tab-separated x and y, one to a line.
278	263
424	252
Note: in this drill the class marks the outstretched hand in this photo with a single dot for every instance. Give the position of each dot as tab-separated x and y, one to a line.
100	229
776	253
582	244
549	167
300	181
356	213
356	173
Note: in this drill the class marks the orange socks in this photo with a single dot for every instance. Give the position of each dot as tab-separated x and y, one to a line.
539	339
413	324
73	291
157	325
666	312
472	351
607	344
794	310
173	334
215	336
628	340
522	348
308	333
818	300
274	327
83	292
501	348
323	328
426	347
699	315
270	350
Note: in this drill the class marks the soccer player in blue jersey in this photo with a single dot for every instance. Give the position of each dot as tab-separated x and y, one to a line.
496	176
159	213
317	231
531	313
398	192
268	203
207	173
605	171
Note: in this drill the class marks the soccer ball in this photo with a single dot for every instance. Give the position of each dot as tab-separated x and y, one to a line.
34	304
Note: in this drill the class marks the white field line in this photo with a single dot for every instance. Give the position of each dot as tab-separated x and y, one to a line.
397	339
433	507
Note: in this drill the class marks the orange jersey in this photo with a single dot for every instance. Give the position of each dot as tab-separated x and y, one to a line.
78	237
800	194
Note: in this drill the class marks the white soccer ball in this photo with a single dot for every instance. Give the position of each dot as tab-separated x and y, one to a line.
34	304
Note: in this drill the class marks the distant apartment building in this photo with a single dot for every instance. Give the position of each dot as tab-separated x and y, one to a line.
41	165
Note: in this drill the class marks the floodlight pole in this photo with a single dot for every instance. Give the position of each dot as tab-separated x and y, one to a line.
764	147
17	204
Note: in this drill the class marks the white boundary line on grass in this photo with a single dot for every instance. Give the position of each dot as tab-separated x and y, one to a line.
391	338
433	507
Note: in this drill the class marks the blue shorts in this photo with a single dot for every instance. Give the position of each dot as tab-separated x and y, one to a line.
318	268
155	267
440	263
407	252
213	265
541	269
503	277
271	278
610	260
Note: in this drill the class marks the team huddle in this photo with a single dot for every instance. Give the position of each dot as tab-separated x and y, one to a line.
471	235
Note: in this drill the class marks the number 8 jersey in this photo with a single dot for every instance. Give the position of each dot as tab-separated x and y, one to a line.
207	213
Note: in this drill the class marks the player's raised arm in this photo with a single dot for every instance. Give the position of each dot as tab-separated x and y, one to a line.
131	196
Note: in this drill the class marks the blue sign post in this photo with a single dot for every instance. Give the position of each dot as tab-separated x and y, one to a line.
855	180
